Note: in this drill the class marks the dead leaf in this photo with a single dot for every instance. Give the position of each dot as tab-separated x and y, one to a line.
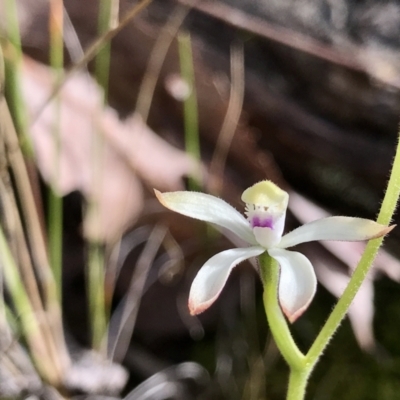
97	154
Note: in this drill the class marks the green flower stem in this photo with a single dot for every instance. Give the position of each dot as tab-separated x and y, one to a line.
299	369
276	320
301	366
385	215
297	383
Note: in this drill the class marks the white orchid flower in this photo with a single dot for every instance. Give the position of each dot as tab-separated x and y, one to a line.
266	206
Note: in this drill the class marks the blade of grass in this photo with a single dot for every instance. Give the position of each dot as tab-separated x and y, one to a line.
18	248
51	315
98	310
91	52
13	226
95	279
190	109
27	317
55	201
13	86
108	20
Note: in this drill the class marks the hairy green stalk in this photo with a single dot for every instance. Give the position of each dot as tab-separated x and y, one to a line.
339	312
301	366
269	269
276	320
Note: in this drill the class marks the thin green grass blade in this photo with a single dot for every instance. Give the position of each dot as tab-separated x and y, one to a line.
98	309
27	318
190	109
108	19
13	61
55	201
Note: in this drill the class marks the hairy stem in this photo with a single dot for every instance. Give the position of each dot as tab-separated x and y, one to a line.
339	312
277	322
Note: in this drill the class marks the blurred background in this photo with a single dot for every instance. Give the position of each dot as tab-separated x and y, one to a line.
101	102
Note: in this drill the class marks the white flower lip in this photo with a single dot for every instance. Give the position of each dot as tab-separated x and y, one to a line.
266	206
266	194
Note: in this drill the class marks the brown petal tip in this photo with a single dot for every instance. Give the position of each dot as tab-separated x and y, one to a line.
386	230
160	197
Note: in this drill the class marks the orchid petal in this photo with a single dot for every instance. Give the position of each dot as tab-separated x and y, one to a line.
213	275
297	282
208	208
335	228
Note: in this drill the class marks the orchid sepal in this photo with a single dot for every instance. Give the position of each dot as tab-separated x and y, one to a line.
211	278
209	209
335	228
